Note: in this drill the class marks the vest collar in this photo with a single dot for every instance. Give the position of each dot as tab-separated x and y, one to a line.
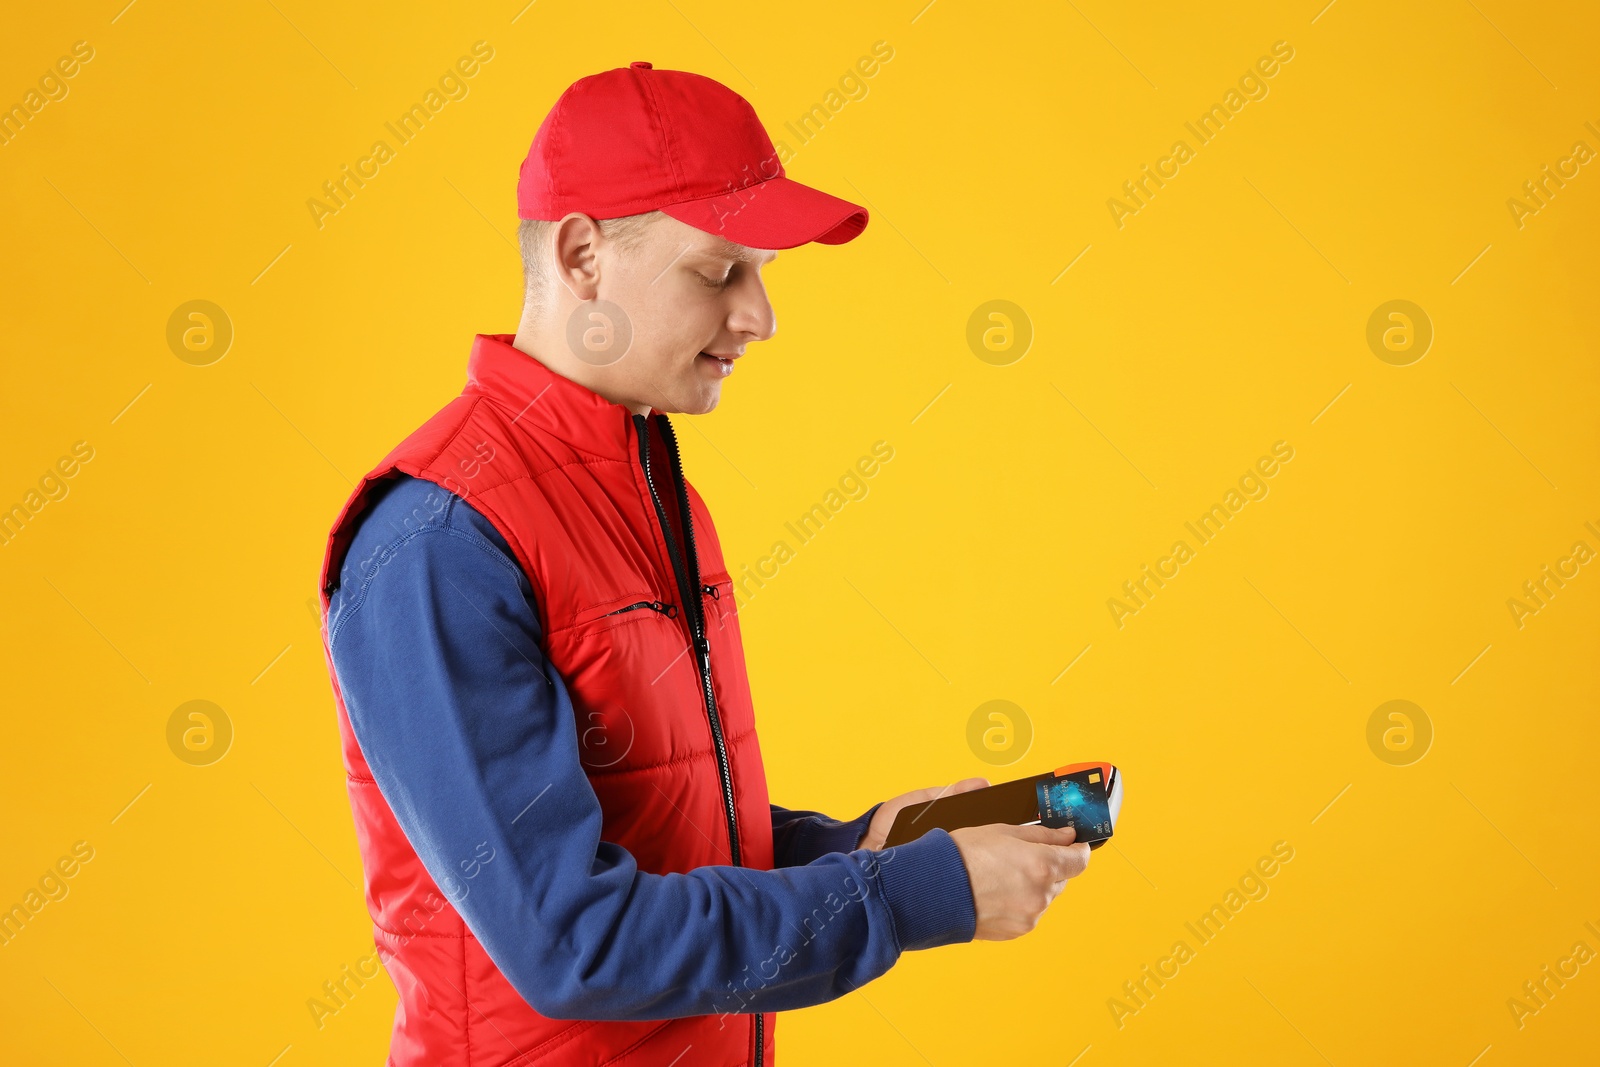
540	398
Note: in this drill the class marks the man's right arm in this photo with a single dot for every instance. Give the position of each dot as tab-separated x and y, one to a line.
471	737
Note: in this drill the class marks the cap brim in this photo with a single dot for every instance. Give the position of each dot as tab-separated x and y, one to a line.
777	213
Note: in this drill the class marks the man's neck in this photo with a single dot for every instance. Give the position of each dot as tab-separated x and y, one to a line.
572	369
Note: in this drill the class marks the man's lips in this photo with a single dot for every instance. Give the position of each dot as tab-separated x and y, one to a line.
724	363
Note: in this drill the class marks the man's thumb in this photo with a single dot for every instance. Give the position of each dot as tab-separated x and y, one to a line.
1047	835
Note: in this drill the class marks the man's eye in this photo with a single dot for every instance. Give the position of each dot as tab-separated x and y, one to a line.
711	283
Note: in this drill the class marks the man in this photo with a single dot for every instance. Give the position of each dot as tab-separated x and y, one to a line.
570	854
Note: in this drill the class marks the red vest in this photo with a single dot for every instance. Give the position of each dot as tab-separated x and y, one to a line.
660	714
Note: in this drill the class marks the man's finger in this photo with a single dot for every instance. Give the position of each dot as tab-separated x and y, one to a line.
1046	835
1071	860
934	792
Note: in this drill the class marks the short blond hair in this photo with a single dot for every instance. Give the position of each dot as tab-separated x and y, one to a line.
627	231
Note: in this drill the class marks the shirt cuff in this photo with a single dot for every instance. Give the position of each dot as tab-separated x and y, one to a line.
819	836
929	894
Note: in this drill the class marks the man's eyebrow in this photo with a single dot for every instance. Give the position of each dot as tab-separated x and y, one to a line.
726	249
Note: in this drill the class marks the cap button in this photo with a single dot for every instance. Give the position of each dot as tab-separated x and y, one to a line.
641	66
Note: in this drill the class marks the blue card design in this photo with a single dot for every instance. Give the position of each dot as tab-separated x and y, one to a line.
1079	800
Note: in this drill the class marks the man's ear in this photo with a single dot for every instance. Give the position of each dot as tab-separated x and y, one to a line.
574	263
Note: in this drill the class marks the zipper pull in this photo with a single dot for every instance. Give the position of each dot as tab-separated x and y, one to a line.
711	590
669	610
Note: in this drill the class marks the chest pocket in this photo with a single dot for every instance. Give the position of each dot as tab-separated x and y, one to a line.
716	597
620	611
627	666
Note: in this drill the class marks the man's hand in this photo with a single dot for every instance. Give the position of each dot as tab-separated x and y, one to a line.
1016	871
883	818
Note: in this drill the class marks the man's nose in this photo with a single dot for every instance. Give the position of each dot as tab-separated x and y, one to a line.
753	316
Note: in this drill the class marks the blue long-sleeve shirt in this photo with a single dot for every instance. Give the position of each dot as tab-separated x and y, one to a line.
471	736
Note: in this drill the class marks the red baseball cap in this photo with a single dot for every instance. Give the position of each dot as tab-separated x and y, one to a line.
636	139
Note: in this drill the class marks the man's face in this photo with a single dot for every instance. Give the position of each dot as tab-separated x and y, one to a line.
693	301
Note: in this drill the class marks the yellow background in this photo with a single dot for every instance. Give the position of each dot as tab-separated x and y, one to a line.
1228	314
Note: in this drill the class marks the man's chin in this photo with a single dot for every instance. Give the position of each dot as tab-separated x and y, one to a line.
698	401
704	402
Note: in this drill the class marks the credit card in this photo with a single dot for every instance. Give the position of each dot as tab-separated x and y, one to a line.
1079	800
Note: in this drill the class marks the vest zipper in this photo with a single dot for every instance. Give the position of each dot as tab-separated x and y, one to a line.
687	572
669	610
